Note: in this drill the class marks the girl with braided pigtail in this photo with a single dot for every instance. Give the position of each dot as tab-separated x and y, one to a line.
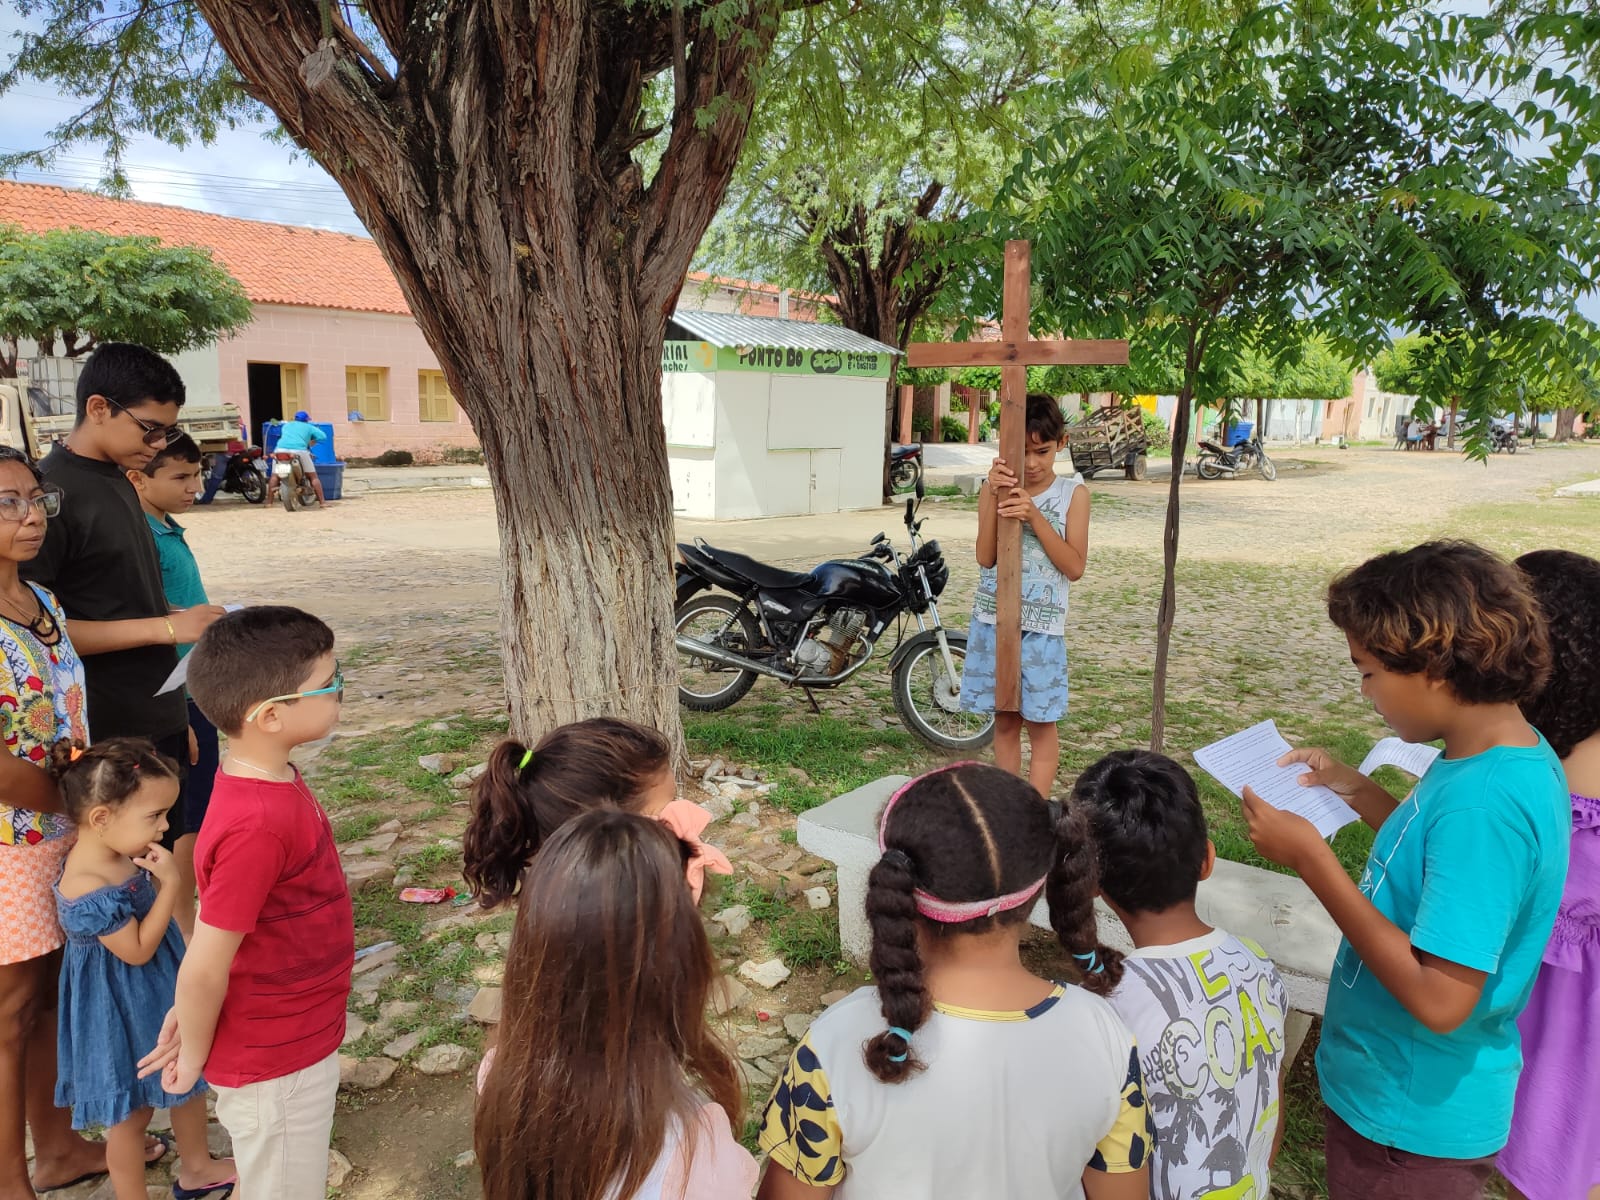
945	1078
1073	884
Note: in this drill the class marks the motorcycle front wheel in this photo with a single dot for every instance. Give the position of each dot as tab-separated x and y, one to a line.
1206	467
1269	469
251	485
1511	446
718	620
929	700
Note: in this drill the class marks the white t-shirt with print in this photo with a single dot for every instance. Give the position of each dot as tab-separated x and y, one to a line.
1012	1105
1044	589
1208	1015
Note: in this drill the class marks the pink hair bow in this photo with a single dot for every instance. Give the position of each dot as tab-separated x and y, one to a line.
688	820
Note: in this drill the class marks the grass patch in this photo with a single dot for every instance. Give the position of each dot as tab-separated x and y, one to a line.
765	904
836	755
809	939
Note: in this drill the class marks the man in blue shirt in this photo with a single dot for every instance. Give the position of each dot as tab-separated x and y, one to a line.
297	437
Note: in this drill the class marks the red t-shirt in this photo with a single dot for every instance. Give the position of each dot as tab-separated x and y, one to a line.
268	868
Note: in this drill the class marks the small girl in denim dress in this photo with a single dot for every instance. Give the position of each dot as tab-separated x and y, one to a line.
115	899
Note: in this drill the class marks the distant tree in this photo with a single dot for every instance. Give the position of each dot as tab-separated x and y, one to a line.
78	288
1335	166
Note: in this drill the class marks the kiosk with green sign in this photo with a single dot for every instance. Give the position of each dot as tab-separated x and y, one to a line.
768	417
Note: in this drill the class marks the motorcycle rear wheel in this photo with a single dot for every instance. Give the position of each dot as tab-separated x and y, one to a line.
1206	467
251	485
1511	446
903	476
929	701
289	491
720	620
1269	469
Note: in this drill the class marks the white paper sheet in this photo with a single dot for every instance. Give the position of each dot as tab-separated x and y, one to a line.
1251	757
180	673
1413	758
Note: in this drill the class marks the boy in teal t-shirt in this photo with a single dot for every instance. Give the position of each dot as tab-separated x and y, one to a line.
168	484
1444	935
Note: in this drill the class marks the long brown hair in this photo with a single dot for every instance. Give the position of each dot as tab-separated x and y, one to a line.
604	1040
524	796
963	833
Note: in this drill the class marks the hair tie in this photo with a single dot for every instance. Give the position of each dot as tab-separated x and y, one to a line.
527	757
75	753
901	860
1095	967
905	1036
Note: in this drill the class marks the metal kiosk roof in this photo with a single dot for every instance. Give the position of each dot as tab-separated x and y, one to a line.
736	329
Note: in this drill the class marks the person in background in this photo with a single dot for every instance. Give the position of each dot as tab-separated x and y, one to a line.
99	556
608	1084
297	437
1443	937
1558	1096
115	899
262	992
1216	1100
42	695
168	484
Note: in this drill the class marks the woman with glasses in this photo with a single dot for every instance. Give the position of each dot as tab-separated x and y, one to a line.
41	701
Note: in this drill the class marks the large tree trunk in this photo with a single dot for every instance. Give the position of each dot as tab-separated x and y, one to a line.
1566	418
495	172
1167	613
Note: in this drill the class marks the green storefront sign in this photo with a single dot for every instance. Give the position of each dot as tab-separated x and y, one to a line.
774	360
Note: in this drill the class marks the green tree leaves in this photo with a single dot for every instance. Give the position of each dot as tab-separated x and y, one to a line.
77	287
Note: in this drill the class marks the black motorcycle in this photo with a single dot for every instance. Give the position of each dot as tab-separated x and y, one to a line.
242	477
817	628
1213	462
1503	436
905	467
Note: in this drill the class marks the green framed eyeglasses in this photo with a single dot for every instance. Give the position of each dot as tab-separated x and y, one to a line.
336	688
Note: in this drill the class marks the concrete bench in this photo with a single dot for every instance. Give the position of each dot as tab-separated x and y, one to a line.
1278	911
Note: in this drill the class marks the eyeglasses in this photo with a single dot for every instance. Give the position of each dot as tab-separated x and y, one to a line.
154	435
15	508
336	688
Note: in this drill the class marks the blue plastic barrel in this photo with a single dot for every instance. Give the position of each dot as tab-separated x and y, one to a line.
332	476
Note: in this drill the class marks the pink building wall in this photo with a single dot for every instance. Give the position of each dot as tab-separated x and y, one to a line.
325	341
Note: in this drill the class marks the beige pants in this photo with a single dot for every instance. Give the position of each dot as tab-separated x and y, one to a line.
281	1129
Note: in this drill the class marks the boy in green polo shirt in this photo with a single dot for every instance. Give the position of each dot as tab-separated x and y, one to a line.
168	484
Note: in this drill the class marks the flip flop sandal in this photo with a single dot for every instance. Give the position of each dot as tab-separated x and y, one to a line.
161	1139
221	1190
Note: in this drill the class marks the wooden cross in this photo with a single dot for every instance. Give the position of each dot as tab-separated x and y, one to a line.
1014	353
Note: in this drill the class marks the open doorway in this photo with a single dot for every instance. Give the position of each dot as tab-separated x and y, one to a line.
265	382
275	391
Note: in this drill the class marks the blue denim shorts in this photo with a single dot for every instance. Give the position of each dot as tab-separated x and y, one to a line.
1044	674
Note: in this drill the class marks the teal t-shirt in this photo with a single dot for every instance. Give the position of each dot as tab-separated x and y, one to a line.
1472	863
298	435
180	574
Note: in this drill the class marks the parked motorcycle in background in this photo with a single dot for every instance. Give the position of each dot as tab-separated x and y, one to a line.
817	628
1503	436
905	467
240	475
1214	462
294	482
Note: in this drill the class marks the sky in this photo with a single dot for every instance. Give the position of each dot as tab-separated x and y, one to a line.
241	174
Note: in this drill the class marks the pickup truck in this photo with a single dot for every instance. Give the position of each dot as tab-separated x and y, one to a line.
35	416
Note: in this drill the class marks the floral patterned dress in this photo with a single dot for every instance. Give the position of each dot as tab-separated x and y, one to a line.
41	701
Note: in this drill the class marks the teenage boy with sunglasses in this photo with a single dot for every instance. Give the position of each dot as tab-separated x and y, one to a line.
261	996
99	556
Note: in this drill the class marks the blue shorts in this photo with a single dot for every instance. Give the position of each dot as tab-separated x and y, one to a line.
1044	674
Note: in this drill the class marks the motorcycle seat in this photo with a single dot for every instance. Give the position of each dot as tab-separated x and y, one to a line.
756	572
906	450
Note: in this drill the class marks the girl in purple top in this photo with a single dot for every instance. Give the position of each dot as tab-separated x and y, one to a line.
1554	1151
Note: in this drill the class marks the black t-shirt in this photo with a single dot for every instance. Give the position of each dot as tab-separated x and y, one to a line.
99	558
